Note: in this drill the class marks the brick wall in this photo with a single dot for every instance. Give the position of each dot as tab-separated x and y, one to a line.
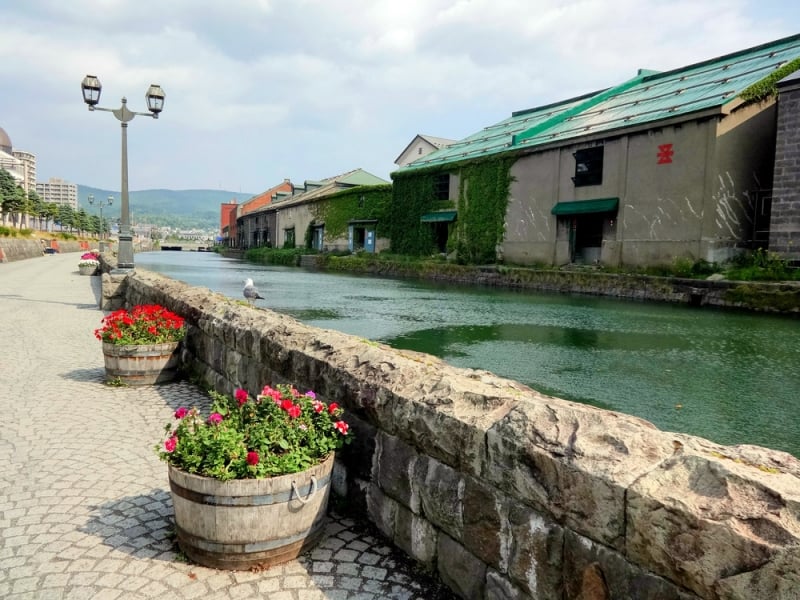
784	235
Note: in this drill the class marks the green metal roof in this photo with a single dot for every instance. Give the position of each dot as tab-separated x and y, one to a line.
647	98
442	216
584	207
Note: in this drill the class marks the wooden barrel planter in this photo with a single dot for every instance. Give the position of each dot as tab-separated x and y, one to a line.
141	364
246	523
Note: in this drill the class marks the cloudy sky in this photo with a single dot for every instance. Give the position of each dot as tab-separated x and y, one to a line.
262	90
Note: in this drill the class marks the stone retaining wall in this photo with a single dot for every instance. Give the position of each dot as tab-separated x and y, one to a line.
12	249
778	297
507	493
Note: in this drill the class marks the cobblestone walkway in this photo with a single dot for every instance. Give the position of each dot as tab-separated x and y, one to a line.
85	510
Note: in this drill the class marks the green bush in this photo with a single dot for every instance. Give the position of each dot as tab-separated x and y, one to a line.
289	257
760	265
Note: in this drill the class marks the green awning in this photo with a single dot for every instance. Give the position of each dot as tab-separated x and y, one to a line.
441	216
583	207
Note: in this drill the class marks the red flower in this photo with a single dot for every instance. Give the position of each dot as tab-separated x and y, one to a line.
252	458
294	411
181	412
241	396
333	407
287	404
341	427
318	406
170	443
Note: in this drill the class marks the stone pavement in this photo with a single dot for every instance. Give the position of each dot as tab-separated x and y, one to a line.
85	510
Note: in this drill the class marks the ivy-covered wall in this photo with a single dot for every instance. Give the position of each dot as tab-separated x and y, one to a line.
354	204
412	196
481	204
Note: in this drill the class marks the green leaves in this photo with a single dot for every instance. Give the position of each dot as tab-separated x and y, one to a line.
281	431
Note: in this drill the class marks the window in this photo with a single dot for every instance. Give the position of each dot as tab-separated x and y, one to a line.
588	166
288	238
441	186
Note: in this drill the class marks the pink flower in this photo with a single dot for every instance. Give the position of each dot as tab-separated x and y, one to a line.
181	412
311	394
252	458
333	407
318	406
294	411
241	396
169	444
215	418
341	427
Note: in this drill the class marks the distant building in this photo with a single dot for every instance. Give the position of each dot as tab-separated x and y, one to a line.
288	218
253	232
420	146
21	164
58	191
227	223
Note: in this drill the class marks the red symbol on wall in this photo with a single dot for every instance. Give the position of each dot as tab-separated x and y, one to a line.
665	153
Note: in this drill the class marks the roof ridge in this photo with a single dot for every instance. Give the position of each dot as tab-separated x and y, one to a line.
577	109
732	55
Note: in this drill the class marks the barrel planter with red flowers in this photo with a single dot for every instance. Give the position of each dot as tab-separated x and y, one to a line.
250	482
140	345
246	523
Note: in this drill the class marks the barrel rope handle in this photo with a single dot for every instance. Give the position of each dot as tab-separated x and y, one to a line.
310	493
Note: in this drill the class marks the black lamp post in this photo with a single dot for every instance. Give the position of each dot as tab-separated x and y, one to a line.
100	204
155	104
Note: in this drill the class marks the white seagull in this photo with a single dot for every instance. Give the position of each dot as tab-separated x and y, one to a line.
250	292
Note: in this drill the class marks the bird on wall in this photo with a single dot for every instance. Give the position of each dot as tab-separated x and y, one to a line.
250	292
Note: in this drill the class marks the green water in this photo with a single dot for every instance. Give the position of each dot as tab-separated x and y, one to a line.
730	377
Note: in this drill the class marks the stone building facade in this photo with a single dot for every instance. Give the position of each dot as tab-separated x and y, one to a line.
784	235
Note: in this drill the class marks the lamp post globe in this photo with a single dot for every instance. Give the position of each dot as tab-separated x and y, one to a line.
91	88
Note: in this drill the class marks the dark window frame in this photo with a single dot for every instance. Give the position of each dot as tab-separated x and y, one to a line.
441	186
588	166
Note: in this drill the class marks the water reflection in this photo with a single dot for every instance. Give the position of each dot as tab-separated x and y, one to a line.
731	377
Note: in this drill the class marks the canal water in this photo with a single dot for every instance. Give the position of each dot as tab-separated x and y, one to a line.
727	376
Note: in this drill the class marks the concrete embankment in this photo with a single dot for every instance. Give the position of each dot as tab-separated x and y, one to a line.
12	249
775	297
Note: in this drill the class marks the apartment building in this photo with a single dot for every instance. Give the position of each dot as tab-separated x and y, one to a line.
58	191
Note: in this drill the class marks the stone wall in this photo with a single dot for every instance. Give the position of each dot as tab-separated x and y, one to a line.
506	493
777	297
12	249
784	236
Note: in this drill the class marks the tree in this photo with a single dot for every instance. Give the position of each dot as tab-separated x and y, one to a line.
65	216
8	194
82	221
50	214
36	207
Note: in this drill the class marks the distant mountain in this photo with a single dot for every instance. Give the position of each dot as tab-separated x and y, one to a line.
186	209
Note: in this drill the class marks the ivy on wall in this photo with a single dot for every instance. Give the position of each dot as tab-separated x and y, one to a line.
366	202
767	87
482	205
482	202
413	195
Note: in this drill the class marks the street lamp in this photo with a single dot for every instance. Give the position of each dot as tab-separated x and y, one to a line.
109	201
155	104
